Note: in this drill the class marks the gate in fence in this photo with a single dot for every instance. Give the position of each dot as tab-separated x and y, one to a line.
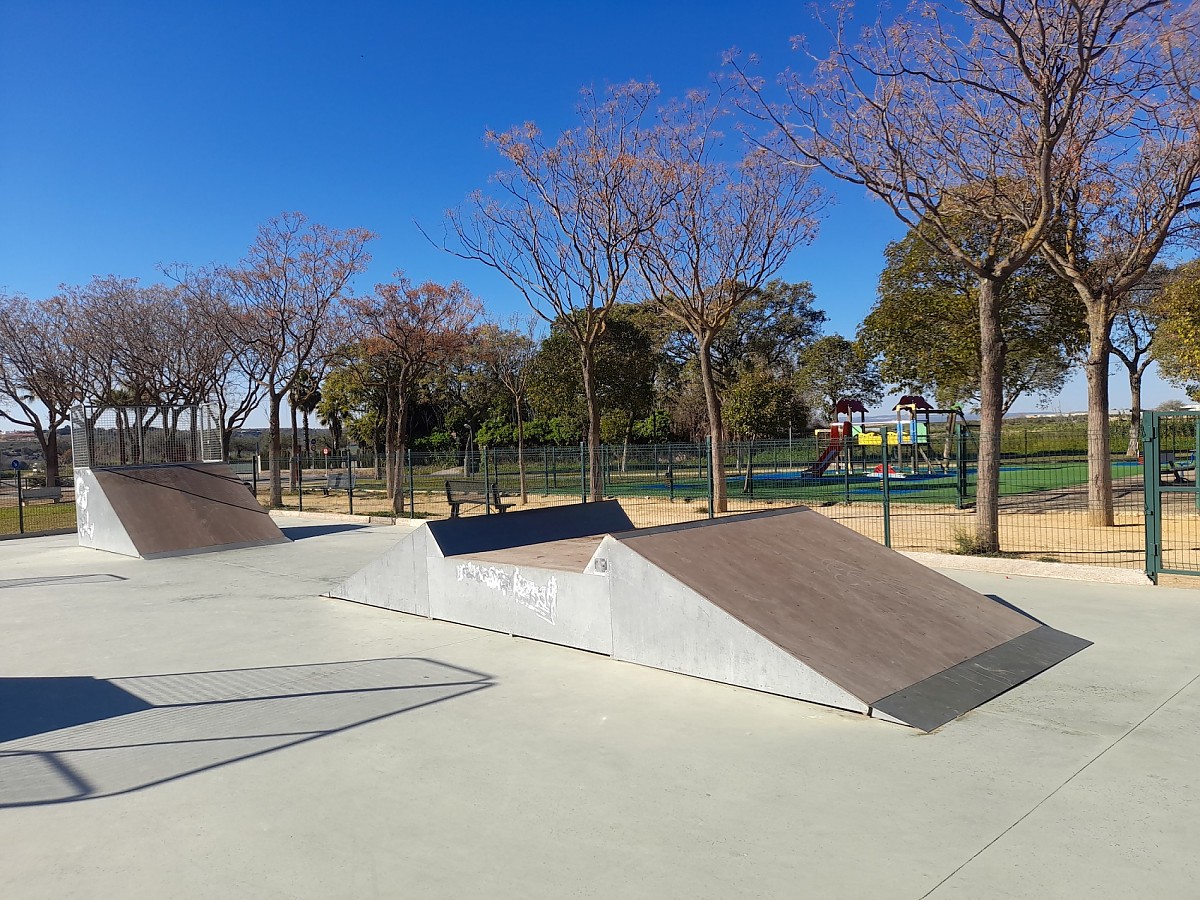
1170	441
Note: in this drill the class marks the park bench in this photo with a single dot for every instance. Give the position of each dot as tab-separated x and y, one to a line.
42	493
338	481
1175	464
473	493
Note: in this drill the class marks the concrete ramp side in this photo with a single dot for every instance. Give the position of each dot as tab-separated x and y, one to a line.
396	580
97	523
477	534
175	509
659	621
862	616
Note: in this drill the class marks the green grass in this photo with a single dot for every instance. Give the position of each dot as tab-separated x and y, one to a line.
38	517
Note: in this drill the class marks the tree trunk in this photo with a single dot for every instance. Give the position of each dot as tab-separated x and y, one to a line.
712	403
389	446
991	417
294	469
276	450
595	472
48	439
521	453
1100	499
396	463
1135	413
307	441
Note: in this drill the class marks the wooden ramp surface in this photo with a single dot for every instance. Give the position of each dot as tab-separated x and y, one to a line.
862	615
192	506
570	555
478	534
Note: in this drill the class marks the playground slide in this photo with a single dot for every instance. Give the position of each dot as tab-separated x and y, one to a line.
827	458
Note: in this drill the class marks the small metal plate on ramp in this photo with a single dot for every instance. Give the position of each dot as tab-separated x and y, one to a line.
945	696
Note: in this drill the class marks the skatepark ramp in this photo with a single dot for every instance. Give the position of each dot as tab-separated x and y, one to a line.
169	510
149	482
786	601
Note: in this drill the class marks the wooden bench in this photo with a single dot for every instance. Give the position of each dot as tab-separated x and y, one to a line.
43	493
474	493
338	481
1175	464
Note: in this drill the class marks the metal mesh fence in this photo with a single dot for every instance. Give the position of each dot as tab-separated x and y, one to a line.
103	436
927	502
28	505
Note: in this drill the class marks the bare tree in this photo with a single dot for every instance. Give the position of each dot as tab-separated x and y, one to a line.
567	217
727	231
964	110
235	380
407	331
40	372
509	354
281	303
1132	340
1130	185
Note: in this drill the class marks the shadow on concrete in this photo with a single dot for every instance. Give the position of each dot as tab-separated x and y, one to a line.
300	532
1015	609
120	735
92	578
37	705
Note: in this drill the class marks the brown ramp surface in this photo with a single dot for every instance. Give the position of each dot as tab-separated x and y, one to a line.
186	507
870	620
470	535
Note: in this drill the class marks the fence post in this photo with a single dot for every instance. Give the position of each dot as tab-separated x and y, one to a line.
1195	457
1153	500
350	480
20	505
487	485
960	454
545	470
887	497
712	488
412	491
847	462
300	483
583	491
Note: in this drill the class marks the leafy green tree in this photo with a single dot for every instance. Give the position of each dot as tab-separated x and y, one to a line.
925	330
834	367
626	362
760	404
1178	338
771	328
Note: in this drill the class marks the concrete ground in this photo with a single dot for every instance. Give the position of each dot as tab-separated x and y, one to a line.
211	727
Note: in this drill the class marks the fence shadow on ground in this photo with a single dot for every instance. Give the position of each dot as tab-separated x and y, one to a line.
70	739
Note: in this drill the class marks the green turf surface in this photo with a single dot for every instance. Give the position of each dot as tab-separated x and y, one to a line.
38	517
770	485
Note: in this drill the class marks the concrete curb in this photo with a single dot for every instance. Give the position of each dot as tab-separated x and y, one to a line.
1030	568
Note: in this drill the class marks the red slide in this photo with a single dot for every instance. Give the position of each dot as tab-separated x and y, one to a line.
830	454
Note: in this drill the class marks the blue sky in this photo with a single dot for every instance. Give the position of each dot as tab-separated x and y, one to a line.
143	133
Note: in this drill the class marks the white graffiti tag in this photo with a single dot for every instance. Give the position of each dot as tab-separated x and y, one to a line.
86	525
542	600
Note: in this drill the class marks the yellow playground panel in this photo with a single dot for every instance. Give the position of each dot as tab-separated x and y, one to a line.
902	434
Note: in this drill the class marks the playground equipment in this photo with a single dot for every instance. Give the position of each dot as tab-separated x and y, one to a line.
837	435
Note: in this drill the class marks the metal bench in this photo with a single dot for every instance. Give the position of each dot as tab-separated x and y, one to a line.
1175	464
461	493
43	493
338	481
